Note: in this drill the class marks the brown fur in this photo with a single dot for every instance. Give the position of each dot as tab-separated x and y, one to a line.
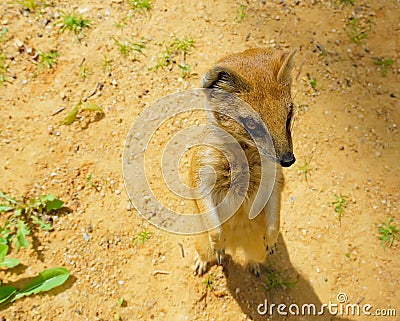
262	79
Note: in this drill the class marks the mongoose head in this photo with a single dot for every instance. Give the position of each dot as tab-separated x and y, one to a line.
262	79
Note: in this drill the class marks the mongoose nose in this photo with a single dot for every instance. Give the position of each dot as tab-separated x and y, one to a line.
287	160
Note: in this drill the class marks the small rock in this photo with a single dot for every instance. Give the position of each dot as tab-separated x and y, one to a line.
83	10
237	290
19	44
377	154
86	237
219	293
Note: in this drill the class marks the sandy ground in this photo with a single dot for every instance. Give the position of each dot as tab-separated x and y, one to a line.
348	125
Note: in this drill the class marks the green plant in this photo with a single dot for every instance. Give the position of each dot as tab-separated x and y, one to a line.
242	12
23	213
142	237
3	69
106	64
83	71
3	33
140	5
313	83
165	60
384	64
209	282
185	69
47	59
126	48
73	22
89	180
31	5
19	216
304	168
121	302
275	280
389	232
182	44
358	29
340	203
171	50
45	281
136	6
123	21
79	107
6	262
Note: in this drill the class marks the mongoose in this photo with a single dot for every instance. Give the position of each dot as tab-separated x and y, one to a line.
261	79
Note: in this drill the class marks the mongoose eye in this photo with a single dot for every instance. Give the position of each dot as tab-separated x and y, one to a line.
250	124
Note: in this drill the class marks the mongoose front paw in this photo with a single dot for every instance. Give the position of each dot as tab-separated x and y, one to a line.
200	266
220	256
270	249
270	239
255	268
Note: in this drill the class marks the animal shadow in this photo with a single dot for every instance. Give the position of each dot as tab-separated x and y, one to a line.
255	299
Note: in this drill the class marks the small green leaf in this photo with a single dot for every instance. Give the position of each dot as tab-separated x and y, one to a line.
42	224
3	237
18	212
7	198
313	83
5	208
6	292
121	301
45	281
22	231
71	117
46	198
55	204
3	251
91	107
3	33
9	263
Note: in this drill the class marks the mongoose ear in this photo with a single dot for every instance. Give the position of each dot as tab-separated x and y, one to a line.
225	79
285	72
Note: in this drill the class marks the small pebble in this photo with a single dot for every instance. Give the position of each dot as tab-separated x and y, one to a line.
86	237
